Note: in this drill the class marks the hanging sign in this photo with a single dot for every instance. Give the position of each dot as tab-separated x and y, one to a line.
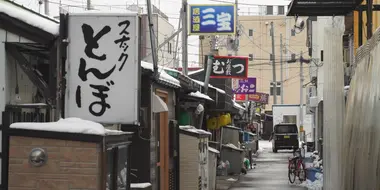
103	69
212	19
240	97
246	86
229	67
259	97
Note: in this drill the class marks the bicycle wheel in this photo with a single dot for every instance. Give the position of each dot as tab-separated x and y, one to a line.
292	173
301	172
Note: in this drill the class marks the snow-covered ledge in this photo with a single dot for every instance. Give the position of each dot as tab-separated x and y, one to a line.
69	125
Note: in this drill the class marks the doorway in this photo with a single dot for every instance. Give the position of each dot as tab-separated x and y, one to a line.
162	134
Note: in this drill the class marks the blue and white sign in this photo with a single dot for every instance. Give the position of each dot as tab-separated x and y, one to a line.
212	19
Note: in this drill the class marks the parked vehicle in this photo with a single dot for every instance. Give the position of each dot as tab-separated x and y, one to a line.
285	136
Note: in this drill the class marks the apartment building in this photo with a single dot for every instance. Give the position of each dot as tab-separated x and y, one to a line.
256	43
162	30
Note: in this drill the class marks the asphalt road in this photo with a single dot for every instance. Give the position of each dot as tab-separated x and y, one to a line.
271	172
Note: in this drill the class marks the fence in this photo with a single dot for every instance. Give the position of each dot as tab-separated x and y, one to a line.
12	114
361	137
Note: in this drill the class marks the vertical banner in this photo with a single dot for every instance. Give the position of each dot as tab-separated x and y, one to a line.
103	71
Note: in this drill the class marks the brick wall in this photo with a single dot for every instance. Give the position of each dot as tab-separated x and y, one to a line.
71	165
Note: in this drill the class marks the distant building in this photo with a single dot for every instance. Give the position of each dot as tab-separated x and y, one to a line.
162	30
255	43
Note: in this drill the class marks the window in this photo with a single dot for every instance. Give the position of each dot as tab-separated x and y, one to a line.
117	167
278	88
170	48
250	57
269	10
281	10
250	32
286	129
229	54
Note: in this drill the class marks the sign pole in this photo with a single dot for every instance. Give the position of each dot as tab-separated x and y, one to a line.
184	37
282	71
303	138
273	66
207	74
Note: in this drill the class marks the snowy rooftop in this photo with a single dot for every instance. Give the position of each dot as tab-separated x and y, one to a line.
198	94
238	106
210	86
30	17
192	129
213	150
163	75
69	125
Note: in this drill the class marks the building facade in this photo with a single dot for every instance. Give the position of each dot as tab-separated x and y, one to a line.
255	42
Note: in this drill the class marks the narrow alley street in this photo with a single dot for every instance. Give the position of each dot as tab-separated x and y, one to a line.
270	172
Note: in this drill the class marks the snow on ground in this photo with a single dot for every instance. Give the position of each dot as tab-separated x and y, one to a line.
315	185
68	125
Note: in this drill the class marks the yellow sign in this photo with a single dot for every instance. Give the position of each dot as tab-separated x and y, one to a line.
196	27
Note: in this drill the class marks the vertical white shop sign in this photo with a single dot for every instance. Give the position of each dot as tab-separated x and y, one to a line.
102	68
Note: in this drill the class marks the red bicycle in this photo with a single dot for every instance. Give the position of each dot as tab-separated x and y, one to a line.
296	167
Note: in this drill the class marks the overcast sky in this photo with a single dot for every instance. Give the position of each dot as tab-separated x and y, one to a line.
169	7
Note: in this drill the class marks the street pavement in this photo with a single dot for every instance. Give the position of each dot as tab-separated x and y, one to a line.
270	172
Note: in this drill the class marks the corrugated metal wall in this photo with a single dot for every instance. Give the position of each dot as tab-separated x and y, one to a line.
333	97
361	151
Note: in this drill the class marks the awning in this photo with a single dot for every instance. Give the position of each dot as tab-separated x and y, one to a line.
322	7
158	105
198	94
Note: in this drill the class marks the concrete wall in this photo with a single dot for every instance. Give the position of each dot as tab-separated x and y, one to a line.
8	77
71	165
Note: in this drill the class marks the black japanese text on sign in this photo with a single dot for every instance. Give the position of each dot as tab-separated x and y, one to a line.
92	41
229	67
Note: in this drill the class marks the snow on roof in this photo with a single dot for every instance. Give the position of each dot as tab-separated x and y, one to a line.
102	12
213	150
192	129
30	17
210	86
195	72
238	106
140	185
198	94
69	125
163	75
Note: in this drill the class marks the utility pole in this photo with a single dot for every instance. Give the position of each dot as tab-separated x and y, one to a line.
88	4
207	74
282	71
236	45
176	64
46	4
302	79
152	38
273	65
184	38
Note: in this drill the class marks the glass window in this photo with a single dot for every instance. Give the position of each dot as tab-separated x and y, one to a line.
286	129
250	57
109	169
250	32
281	10
269	10
122	169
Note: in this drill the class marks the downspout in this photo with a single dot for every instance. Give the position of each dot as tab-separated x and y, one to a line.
177	159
